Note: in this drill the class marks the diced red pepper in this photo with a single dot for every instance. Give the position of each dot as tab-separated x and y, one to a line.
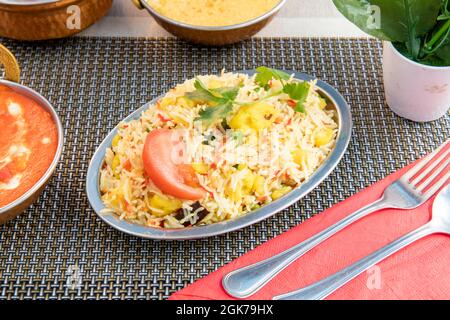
292	103
127	206
161	117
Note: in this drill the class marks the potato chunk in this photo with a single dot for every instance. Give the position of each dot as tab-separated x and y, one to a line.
277	194
256	116
200	168
323	136
164	204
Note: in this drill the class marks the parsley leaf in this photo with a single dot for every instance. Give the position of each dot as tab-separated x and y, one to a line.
229	93
204	94
297	91
210	115
265	75
219	95
300	106
222	97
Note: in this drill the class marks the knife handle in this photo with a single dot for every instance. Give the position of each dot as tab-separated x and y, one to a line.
323	288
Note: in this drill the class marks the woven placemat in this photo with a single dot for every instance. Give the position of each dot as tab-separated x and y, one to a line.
59	249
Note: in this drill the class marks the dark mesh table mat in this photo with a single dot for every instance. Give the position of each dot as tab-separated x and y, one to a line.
60	249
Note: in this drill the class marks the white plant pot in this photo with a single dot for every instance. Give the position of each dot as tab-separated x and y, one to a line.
415	91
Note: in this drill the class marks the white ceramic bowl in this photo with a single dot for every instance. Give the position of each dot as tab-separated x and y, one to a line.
415	91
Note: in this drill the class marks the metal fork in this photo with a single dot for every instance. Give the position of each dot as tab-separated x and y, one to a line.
439	223
414	188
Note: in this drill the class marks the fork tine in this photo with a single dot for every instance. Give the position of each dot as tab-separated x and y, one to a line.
435	174
430	168
430	192
422	163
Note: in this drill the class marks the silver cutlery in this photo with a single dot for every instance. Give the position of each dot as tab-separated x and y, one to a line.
440	223
414	188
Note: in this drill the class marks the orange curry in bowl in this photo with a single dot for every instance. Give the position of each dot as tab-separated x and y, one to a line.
28	143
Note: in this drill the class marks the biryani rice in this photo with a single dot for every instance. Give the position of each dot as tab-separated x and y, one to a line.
236	180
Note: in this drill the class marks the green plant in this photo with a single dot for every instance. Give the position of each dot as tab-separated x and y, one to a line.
419	29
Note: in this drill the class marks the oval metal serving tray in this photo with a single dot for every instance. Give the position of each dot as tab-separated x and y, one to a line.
344	120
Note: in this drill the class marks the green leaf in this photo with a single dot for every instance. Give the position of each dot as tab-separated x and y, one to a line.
401	47
224	97
199	96
444	52
228	93
360	13
212	114
300	107
403	21
203	93
265	75
297	90
437	48
445	12
219	95
433	60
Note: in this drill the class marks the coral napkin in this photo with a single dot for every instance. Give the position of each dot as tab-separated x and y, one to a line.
420	271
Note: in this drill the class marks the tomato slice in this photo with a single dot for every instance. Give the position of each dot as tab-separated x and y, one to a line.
177	180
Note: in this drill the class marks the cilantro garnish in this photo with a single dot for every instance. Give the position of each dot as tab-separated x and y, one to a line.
212	114
265	75
297	91
202	93
222	97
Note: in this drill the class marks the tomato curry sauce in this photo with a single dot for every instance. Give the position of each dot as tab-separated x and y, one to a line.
28	143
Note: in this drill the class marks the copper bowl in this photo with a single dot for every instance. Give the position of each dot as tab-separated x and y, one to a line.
212	36
12	73
48	19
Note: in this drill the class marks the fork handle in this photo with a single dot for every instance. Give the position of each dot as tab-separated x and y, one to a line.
325	287
244	282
